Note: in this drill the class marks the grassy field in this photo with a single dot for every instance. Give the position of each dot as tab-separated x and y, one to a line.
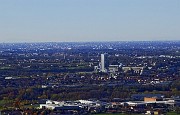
5	102
172	113
113	114
169	113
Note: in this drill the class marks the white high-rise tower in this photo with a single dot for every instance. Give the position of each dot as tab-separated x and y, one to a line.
102	63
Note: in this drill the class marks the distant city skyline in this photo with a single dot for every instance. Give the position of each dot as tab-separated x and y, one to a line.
89	20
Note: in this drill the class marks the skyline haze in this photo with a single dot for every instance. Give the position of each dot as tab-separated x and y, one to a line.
91	20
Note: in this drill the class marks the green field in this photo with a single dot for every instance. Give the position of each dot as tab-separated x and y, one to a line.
169	113
172	113
114	114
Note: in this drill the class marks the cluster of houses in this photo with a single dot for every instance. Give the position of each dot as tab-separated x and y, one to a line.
139	103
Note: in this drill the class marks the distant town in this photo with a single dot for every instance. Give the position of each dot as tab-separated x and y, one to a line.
82	78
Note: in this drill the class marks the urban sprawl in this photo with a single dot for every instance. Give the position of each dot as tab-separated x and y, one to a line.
83	78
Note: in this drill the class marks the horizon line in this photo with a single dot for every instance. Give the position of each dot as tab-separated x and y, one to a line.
91	41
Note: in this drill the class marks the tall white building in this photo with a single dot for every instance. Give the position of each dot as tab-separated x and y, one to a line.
102	63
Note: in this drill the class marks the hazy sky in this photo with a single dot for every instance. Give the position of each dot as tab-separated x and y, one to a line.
89	20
